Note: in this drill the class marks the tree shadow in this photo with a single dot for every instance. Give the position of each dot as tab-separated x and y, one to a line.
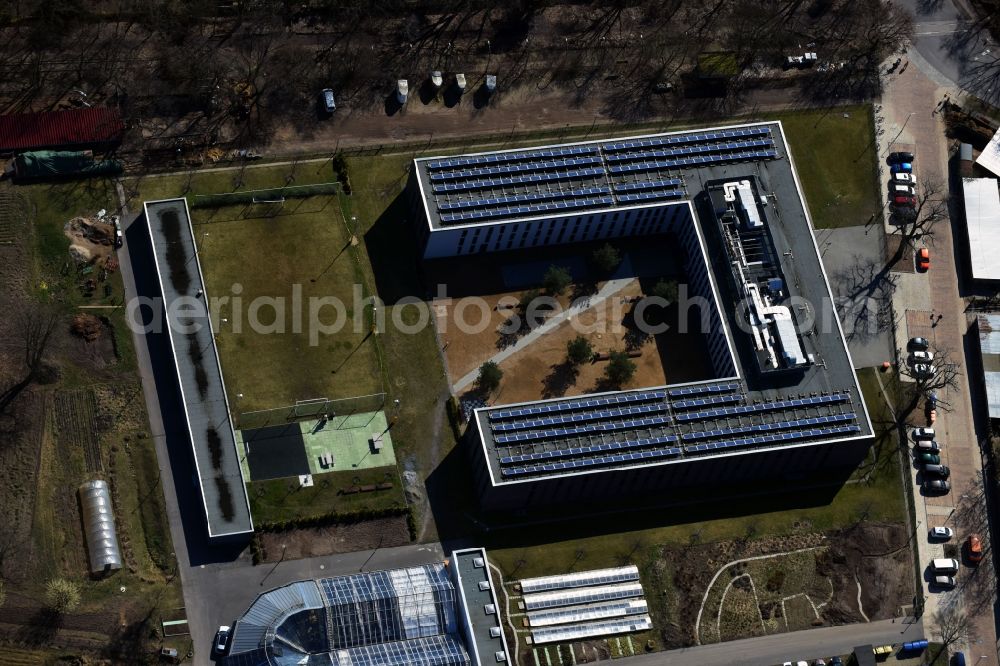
560	378
40	628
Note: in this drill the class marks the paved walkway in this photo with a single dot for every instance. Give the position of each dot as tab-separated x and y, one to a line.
779	648
909	124
608	289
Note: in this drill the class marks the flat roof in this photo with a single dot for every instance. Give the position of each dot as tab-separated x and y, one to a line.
475	599
814	404
982	219
508	186
990	157
989	347
199	374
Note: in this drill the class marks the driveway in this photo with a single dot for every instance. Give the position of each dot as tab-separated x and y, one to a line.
910	123
779	648
951	50
854	258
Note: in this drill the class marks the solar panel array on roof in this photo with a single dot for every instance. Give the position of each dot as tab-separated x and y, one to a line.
500	158
769	427
691	150
516	198
571	405
632	424
702	389
648	185
487	183
702	160
442	176
776	437
527	209
764	407
588	450
650	196
445	650
686	138
704	402
571	465
580	417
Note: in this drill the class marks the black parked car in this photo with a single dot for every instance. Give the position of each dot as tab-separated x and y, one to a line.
936	486
896	158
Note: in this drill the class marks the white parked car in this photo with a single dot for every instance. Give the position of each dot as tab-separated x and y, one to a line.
904	177
402	90
922	356
221	641
922	433
943	533
924	370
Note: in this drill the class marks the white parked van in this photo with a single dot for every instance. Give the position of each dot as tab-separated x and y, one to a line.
945	565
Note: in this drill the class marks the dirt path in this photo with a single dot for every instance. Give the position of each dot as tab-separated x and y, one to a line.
608	289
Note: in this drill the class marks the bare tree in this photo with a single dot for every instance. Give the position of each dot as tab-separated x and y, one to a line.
927	377
932	200
35	327
952	625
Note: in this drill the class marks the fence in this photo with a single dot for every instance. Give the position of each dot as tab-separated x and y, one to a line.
261	196
304	410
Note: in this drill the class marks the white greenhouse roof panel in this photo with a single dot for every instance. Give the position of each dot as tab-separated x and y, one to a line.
582	579
585	595
591	629
982	218
990	157
579	614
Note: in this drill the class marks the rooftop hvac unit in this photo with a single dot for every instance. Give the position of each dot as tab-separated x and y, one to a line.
495	632
490	609
484	585
479	563
501	656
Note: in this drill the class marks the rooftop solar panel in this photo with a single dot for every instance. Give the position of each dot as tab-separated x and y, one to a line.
650	196
442	176
648	185
500	158
685	138
601	461
515	198
527	209
702	389
771	438
579	417
571	405
588	450
763	407
554	433
487	183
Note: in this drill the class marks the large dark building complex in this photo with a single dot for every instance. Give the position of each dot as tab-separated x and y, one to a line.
442	614
784	400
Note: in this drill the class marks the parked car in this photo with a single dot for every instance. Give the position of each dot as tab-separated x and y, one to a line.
902	189
836	661
945	565
942	533
922	433
927	458
904	201
974	548
944	581
329	104
904	178
928	446
402	91
940	471
900	157
936	486
922	356
221	641
119	236
902	167
923	370
918	344
923	259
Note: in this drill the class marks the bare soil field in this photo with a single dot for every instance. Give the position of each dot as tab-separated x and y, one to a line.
334	539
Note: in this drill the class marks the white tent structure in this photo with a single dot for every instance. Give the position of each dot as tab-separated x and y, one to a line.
99	525
990	157
982	218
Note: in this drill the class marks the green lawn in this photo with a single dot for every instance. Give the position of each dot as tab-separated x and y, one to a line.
836	162
282	499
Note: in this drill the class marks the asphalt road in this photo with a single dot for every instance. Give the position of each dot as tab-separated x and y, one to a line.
961	55
777	649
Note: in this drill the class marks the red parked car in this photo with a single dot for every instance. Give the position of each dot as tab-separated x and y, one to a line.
923	259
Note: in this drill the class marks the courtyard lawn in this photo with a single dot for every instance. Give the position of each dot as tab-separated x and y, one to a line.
277	500
834	153
272	355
